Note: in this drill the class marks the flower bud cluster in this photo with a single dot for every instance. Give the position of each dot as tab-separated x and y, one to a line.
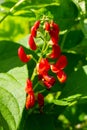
31	98
43	65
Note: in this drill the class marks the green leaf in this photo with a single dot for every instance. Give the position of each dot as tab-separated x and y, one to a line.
12	100
12	82
76	84
60	102
64	14
73	39
82	47
8	4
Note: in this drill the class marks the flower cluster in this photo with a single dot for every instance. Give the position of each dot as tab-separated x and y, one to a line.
31	98
43	64
61	61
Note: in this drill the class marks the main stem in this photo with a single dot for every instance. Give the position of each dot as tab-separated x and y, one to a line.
42	51
10	11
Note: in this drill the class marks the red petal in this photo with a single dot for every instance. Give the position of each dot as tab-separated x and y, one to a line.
54	33
30	100
37	24
62	62
54	68
33	31
61	76
54	37
48	85
28	87
47	26
48	81
22	55
43	66
56	51
55	27
31	43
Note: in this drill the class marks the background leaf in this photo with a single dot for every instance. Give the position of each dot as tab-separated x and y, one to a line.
76	83
12	81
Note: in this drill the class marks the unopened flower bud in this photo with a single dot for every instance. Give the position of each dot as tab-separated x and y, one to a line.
30	100
22	55
32	43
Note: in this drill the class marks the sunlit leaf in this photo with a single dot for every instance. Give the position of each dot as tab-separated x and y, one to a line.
12	82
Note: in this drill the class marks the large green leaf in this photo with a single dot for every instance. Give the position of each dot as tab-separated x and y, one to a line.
73	39
65	14
76	85
12	82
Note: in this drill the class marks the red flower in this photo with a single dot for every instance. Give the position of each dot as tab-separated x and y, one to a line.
54	31
31	43
43	66
30	100
48	81
34	28
28	87
33	31
55	27
47	26
61	76
40	99
54	37
60	64
56	51
22	55
58	68
37	24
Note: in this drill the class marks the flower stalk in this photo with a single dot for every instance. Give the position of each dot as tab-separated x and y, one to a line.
43	64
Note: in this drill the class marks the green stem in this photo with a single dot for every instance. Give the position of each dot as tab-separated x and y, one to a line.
42	51
34	59
46	48
35	85
41	91
12	9
34	73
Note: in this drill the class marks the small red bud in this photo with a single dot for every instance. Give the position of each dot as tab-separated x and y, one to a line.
30	100
40	99
47	26
28	87
22	55
33	31
37	24
31	43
